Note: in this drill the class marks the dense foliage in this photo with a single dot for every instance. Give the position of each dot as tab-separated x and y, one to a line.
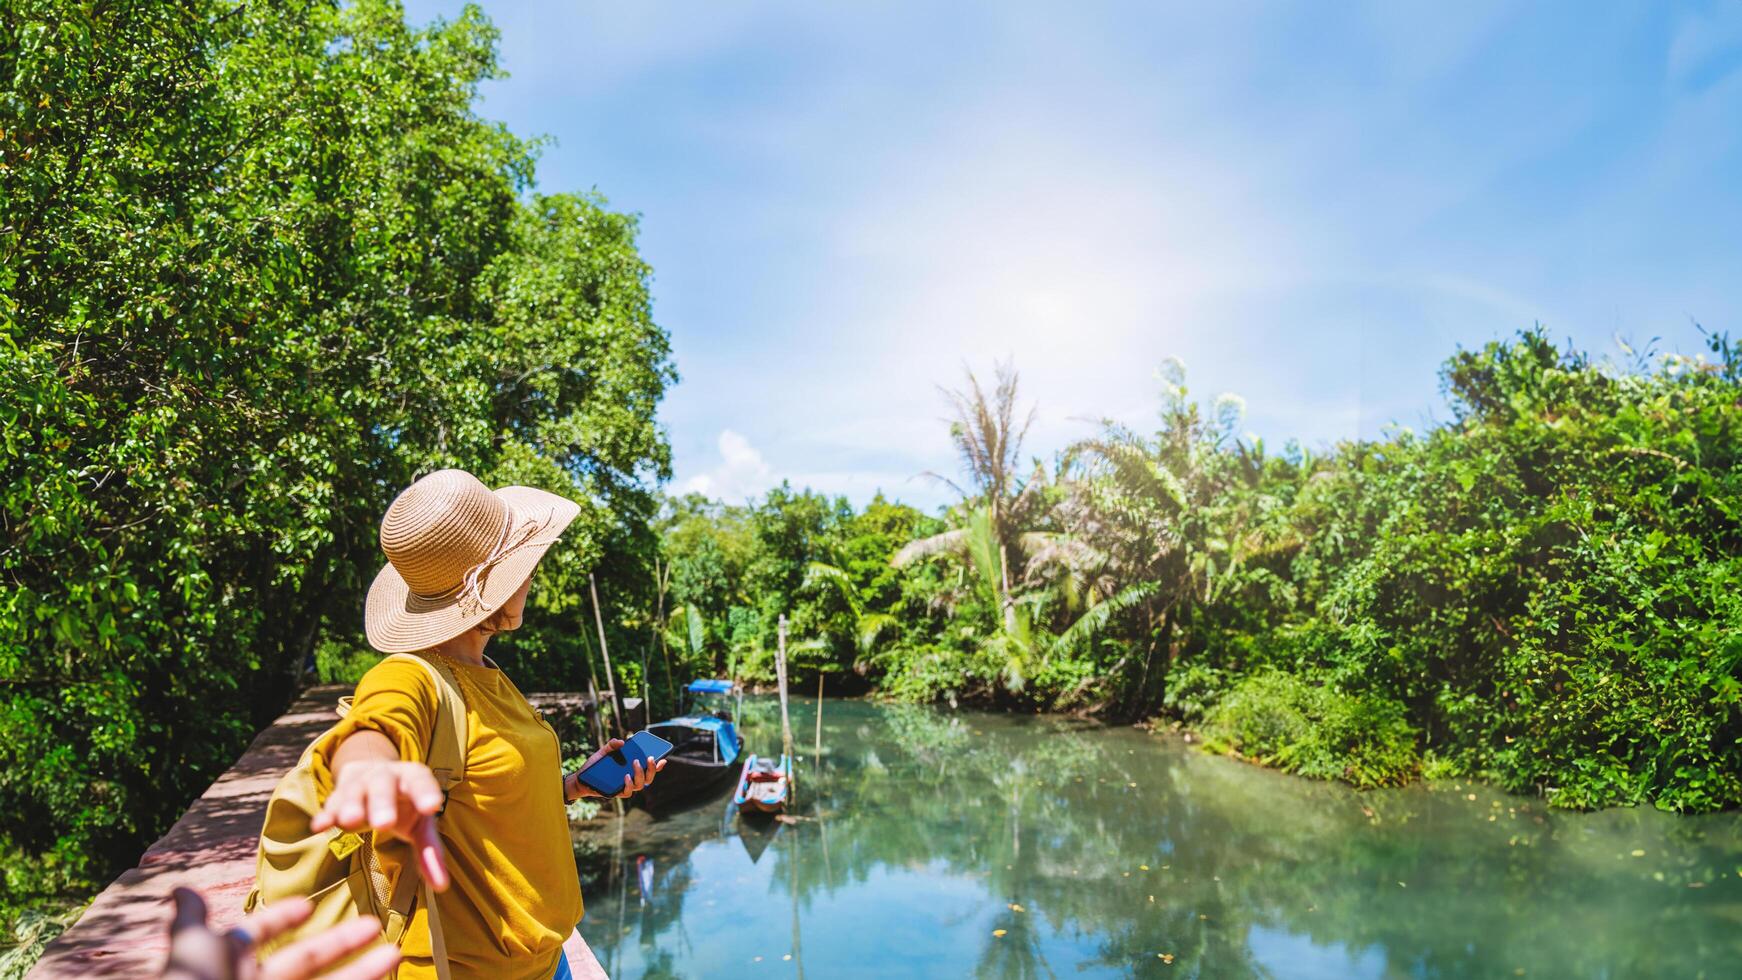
260	266
1543	591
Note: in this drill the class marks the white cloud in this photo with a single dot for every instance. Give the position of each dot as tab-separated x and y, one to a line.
740	473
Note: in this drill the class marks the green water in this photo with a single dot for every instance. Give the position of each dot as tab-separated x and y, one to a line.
923	831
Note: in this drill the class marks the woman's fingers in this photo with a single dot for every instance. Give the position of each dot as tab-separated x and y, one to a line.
305	959
373	965
347	803
639	776
329	814
611	745
382	796
430	854
276	918
418	784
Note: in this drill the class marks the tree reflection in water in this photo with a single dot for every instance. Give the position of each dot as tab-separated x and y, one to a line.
1099	851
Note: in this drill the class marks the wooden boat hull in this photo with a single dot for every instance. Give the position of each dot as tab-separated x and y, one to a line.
705	750
685	779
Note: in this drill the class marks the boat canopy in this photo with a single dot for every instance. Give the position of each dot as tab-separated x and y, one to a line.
710	687
725	736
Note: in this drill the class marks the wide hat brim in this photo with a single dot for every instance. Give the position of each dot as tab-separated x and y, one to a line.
399	621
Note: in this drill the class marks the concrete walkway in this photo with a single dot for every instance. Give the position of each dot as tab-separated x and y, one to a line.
210	849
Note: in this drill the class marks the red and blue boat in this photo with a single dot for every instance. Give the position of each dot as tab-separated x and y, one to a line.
764	785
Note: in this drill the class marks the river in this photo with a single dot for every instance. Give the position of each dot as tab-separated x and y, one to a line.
931	842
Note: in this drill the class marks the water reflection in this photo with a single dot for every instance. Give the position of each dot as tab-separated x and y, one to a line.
934	843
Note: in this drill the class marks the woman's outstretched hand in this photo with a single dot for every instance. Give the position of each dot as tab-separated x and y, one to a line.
634	782
198	953
397	798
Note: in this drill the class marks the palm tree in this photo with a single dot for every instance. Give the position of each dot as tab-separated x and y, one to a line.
1154	522
988	439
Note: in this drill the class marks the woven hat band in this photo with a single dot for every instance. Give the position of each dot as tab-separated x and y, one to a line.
515	537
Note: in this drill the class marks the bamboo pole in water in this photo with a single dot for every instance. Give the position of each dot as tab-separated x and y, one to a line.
817	750
599	728
646	692
622	896
785	720
605	651
797	948
596	709
662	577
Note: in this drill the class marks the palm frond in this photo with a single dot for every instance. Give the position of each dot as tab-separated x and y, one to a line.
1091	623
871	628
982	547
820	573
949	542
1032	491
697	632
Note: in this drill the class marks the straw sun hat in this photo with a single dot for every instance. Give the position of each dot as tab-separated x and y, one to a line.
456	550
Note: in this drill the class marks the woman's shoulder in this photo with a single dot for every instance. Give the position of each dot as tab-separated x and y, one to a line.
402	676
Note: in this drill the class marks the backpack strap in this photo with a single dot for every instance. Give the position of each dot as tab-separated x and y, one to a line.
447	744
446	757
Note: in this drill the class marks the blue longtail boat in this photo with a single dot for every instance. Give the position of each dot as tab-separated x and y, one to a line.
705	745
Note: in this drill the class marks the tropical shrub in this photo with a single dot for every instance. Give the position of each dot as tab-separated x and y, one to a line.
1315	730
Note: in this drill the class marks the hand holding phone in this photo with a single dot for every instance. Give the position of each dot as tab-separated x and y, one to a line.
614	772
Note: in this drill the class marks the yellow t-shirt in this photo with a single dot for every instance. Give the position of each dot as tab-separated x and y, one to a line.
515	893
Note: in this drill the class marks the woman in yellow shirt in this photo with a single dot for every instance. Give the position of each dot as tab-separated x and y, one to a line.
460	560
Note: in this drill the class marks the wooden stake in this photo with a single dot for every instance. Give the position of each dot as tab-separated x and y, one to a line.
593	691
646	691
785	720
605	651
664	579
817	750
598	713
792	870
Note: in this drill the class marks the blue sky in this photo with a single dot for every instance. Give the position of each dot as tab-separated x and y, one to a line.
1311	205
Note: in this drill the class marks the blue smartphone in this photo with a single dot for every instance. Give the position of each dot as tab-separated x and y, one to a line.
606	773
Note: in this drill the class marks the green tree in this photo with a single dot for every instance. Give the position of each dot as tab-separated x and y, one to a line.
260	266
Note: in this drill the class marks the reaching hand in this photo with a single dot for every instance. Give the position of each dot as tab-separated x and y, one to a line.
633	782
396	798
198	953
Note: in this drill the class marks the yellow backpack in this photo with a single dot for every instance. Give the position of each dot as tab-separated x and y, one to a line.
339	871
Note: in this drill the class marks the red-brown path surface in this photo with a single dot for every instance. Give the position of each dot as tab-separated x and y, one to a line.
210	849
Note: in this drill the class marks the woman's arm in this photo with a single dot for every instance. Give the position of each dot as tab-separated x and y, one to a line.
374	788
